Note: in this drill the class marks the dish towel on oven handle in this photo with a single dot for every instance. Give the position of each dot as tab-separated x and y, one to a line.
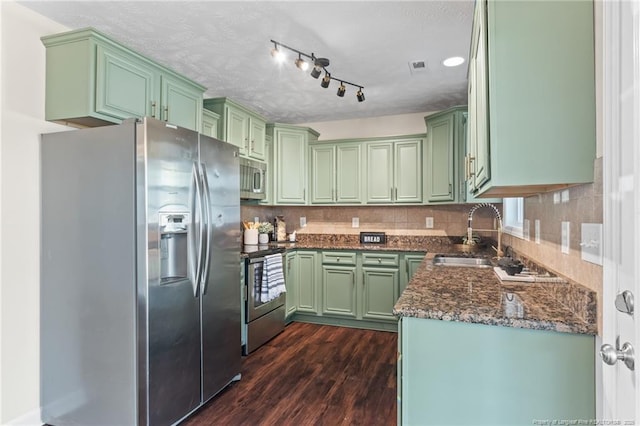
273	279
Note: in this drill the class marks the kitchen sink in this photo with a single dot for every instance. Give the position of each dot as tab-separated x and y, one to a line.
466	261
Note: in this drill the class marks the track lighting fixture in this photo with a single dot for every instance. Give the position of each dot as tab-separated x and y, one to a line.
319	65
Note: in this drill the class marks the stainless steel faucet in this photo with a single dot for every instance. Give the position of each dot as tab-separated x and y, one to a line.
498	250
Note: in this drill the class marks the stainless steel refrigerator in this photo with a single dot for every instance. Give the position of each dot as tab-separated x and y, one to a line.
140	273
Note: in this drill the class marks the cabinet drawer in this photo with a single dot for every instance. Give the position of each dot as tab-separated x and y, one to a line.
379	259
341	258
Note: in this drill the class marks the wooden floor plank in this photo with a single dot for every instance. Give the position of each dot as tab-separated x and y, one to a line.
312	375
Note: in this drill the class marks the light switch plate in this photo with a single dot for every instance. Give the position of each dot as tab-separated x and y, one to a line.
303	221
526	230
429	222
537	231
591	242
355	222
564	238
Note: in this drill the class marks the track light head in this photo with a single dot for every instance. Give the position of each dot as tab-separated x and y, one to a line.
341	90
316	71
360	95
326	80
301	63
277	54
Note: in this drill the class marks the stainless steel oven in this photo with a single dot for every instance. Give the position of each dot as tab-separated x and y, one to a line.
263	320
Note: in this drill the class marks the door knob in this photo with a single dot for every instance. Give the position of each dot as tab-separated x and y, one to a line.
624	302
611	355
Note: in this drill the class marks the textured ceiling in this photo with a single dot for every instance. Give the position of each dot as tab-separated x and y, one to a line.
225	47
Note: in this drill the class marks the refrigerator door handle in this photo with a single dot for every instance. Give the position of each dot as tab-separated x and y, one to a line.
206	235
195	235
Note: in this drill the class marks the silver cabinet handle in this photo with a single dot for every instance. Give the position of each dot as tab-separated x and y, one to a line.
611	355
396	196
166	113
624	302
153	109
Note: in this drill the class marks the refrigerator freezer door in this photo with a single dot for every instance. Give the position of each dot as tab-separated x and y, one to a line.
172	309
221	346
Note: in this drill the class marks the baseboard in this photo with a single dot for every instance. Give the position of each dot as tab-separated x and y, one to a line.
32	418
391	326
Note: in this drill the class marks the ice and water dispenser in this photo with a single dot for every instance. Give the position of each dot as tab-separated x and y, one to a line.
173	246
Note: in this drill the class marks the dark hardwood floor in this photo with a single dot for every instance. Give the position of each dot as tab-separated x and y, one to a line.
312	375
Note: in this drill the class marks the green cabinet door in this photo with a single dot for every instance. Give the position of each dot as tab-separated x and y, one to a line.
323	174
181	105
236	128
408	172
439	158
411	264
291	279
381	287
210	123
348	185
379	158
339	291
257	132
125	87
290	151
308	282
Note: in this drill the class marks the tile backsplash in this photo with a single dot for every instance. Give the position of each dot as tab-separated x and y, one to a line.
448	220
584	205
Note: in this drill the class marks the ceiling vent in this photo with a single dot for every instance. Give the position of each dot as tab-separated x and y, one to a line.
418	67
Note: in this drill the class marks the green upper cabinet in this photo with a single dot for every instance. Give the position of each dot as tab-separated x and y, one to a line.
92	80
210	122
531	97
336	173
439	156
394	171
240	127
290	162
323	174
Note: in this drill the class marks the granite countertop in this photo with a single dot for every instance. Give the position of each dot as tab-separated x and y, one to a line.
477	295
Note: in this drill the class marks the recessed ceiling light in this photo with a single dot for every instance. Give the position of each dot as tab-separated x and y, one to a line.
454	61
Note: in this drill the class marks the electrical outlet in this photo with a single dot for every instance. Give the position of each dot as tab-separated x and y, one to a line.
355	222
565	196
564	238
303	221
256	219
556	198
591	242
429	222
526	228
536	227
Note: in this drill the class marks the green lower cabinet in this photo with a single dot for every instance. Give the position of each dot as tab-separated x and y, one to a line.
380	292
308	289
339	290
456	373
291	278
411	264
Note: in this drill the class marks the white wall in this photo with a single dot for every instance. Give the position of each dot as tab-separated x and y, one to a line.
22	118
390	125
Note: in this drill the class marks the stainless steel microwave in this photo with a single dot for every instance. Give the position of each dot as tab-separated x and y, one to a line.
252	179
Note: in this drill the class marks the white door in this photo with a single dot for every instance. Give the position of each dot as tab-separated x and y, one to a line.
621	201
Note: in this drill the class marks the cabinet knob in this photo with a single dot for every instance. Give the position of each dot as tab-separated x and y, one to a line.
337	259
379	260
